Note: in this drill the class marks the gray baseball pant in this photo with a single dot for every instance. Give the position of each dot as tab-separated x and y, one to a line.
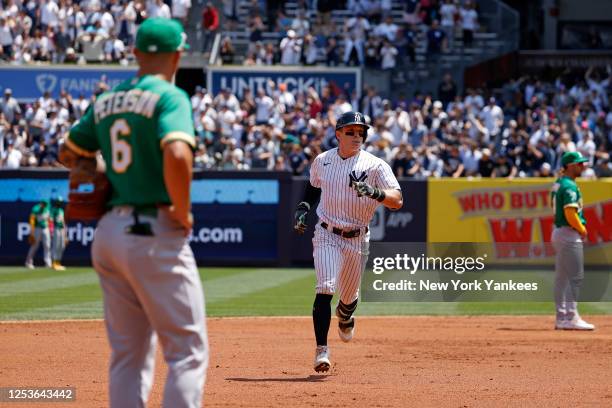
151	289
569	271
58	244
40	235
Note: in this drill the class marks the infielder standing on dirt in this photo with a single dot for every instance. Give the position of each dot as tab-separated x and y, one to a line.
39	233
567	238
350	183
147	271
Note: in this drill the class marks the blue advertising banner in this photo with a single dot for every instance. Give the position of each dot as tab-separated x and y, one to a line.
235	220
30	83
238	79
222	233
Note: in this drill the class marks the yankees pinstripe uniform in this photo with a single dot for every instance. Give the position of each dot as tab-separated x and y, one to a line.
350	184
340	261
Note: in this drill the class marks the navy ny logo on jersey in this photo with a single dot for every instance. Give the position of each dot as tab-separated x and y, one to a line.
353	177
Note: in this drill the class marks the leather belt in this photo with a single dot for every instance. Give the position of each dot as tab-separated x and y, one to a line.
344	233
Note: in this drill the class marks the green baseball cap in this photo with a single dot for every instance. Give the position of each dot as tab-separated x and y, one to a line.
572	157
161	35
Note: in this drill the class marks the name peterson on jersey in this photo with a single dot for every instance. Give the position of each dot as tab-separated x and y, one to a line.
134	101
339	205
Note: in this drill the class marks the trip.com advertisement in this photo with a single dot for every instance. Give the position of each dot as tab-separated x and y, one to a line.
222	233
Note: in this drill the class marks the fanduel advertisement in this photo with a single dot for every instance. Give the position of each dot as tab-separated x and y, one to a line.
238	79
30	83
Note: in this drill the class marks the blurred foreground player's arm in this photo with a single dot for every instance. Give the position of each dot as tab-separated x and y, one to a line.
78	153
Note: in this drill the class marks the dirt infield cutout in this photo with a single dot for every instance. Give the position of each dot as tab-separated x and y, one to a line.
392	362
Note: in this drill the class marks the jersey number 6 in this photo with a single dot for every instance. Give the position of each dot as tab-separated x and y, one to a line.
121	150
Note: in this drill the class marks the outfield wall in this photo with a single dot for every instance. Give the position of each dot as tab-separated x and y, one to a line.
245	218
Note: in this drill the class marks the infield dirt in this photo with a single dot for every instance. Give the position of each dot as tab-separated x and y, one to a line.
392	362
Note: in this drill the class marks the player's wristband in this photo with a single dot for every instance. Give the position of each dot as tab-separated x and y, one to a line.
379	195
303	206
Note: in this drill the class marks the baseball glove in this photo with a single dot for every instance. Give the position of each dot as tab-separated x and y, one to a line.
299	217
31	239
89	188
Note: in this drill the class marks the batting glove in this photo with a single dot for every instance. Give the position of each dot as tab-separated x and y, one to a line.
364	189
300	217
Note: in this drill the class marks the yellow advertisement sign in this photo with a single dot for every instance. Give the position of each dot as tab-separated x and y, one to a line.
501	211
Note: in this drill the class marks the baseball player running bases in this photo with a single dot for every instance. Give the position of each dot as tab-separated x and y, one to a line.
349	184
147	271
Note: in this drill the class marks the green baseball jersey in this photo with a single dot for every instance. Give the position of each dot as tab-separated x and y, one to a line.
41	216
130	126
565	193
57	216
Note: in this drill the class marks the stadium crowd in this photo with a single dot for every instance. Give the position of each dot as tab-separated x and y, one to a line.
371	37
94	31
71	31
519	130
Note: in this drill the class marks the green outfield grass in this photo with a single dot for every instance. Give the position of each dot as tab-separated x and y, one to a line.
75	294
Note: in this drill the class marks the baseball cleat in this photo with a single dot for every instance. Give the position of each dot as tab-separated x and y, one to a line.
346	328
578	324
29	265
321	362
561	325
58	266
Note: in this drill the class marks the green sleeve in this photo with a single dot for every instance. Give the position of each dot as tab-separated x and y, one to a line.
175	115
83	133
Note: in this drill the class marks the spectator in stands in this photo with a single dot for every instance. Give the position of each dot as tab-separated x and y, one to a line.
158	9
310	50
256	27
387	29
127	23
410	34
485	164
388	55
504	167
10	107
180	10
62	43
469	22
114	50
291	49
355	32
412	12
6	40
436	40
300	24
332	53
226	51
493	117
210	25
11	157
371	51
603	167
448	12
107	22
404	163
